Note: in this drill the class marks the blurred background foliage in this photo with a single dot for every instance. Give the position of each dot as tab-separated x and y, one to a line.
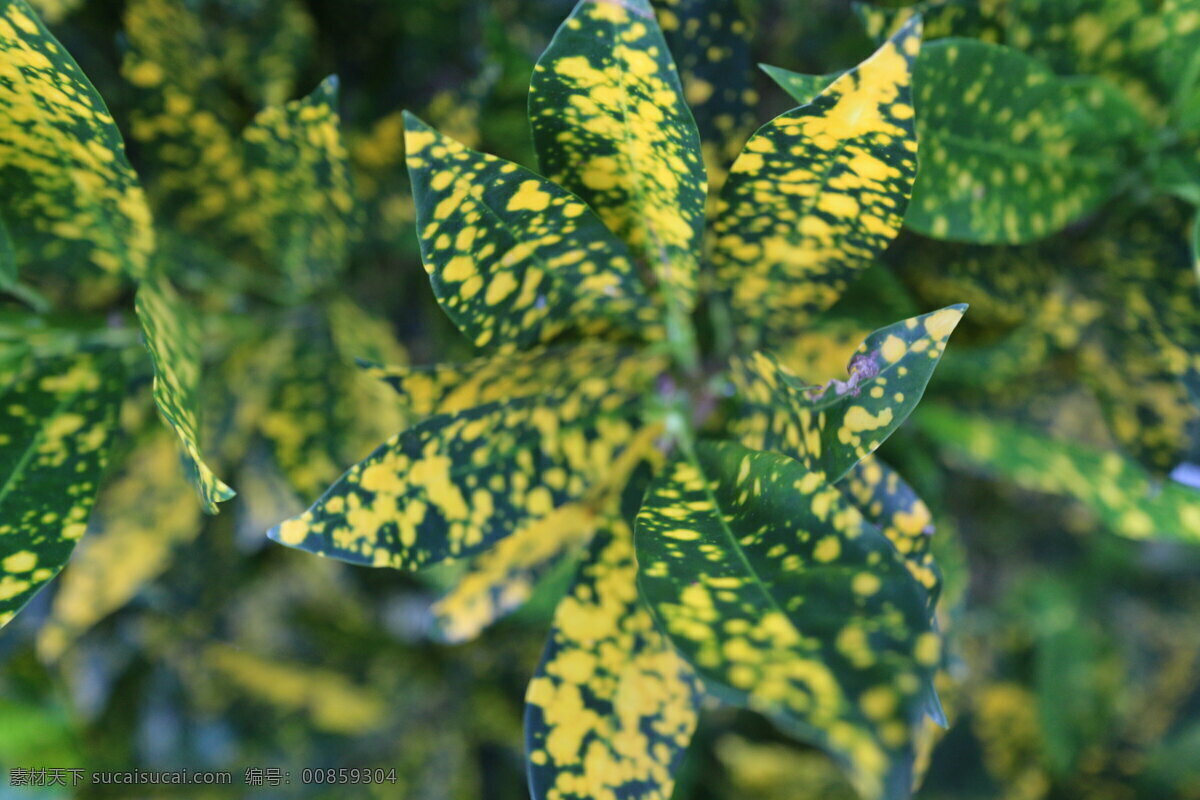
180	640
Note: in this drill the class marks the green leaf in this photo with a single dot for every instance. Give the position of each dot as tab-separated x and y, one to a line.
456	483
1010	152
941	18
53	448
70	196
833	427
8	258
890	504
141	518
817	194
802	88
612	707
501	579
785	600
514	259
173	338
302	207
610	124
710	41
448	388
1124	498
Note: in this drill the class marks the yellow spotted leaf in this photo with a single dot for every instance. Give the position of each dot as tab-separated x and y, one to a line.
301	213
456	483
140	518
832	427
1011	152
70	197
817	194
787	601
612	707
54	443
710	41
449	388
173	338
514	259
1122	495
610	123
503	578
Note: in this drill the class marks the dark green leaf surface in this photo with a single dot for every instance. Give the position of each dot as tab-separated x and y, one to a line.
54	444
1123	496
710	40
302	206
833	427
802	88
816	196
787	601
172	336
612	707
611	125
513	258
1010	152
458	482
448	388
890	504
70	196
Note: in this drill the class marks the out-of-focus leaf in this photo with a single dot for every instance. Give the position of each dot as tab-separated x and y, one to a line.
54	444
503	578
785	600
455	484
833	427
816	196
803	88
513	258
1122	495
1122	41
321	412
1009	151
140	518
710	41
70	196
610	124
302	205
612	707
181	118
449	388
331	702
263	45
173	338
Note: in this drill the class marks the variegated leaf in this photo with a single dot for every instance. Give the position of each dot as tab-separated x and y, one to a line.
70	197
301	210
710	41
455	484
173	338
1117	490
501	579
802	88
817	194
140	518
785	600
610	124
1009	151
612	707
890	504
449	388
331	702
834	426
513	258
54	445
